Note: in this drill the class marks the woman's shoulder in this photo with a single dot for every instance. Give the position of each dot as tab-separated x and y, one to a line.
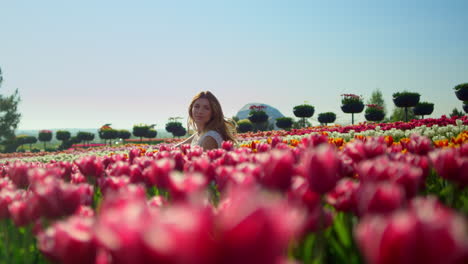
215	135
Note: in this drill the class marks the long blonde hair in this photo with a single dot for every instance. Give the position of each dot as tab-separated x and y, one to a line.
224	126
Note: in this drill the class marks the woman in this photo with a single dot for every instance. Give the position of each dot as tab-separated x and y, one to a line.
207	119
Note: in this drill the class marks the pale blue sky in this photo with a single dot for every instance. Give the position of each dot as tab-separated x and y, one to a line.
80	64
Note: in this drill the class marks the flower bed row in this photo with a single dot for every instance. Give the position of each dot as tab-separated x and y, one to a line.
318	199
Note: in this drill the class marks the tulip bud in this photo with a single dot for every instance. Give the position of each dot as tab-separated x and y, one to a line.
322	168
379	198
18	174
426	232
71	241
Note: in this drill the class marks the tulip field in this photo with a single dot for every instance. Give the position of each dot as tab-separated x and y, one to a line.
367	193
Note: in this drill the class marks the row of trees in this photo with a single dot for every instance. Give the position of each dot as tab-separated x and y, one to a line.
408	106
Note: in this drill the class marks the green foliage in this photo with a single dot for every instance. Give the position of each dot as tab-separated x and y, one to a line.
373	109
45	135
172	126
376	98
284	122
244	125
351	99
62	135
257	117
398	114
140	130
456	112
124	134
405	93
176	129
461	86
151	133
9	115
108	134
327	117
88	136
304	111
180	132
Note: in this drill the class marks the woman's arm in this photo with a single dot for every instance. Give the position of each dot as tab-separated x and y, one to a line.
187	141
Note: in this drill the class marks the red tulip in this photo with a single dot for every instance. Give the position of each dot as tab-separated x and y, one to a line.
253	228
383	169
426	232
184	186
379	198
122	220
120	168
278	169
450	165
419	145
344	196
322	168
91	166
157	174
71	241
18	173
181	234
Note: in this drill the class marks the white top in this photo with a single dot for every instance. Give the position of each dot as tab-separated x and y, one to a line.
198	140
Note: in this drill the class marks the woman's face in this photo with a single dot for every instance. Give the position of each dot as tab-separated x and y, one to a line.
201	111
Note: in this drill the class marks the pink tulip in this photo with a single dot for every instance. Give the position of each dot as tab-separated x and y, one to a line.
450	165
56	198
71	241
92	167
122	221
201	165
344	196
136	152
379	198
227	145
277	170
314	140
157	202
113	183
18	173
419	145
120	168
322	168
181	234
383	169
253	228
426	232
371	148
184	186
157	174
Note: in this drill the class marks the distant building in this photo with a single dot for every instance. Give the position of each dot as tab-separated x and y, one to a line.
272	113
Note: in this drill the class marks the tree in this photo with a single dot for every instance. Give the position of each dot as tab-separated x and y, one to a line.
327	117
141	130
398	114
456	112
124	134
151	133
30	140
304	111
45	136
62	135
86	136
244	125
284	122
376	98
258	117
180	132
9	116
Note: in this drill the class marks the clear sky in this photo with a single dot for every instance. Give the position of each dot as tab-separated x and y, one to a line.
80	64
